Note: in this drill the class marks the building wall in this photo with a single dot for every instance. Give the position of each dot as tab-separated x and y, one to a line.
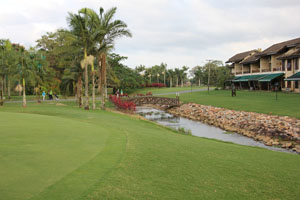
275	63
238	68
264	64
246	69
254	67
290	73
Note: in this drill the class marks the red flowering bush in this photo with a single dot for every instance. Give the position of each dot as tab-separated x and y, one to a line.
126	105
124	95
157	85
149	94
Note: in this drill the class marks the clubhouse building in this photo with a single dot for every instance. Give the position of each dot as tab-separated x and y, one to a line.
275	67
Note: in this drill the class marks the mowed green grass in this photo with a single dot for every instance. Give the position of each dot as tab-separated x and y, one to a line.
164	90
62	152
287	104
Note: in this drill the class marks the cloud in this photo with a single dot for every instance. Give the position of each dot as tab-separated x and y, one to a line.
176	32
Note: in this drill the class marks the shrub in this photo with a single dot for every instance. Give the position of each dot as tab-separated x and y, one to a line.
126	105
157	85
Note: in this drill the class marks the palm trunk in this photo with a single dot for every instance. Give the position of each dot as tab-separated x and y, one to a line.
181	82
99	74
1	94
86	89
24	94
176	81
170	82
38	94
93	92
8	87
199	83
103	80
4	85
20	90
79	91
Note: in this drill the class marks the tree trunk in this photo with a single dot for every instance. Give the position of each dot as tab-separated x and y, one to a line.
103	80
1	93
170	82
106	96
199	83
176	81
99	74
182	82
4	85
86	89
38	94
93	91
8	87
24	94
79	91
20	90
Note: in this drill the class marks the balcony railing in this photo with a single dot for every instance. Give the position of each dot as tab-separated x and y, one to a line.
238	72
255	70
265	70
276	69
246	72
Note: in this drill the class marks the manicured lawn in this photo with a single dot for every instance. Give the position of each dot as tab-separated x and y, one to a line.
62	152
164	90
262	102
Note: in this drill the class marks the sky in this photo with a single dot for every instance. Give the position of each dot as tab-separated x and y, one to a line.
176	32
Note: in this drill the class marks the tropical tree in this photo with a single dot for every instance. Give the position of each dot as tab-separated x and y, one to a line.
183	74
170	76
82	28
106	32
177	75
25	70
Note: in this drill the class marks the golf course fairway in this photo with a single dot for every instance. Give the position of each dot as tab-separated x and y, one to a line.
58	151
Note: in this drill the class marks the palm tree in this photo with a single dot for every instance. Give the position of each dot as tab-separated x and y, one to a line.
25	71
107	31
183	74
170	74
81	27
177	75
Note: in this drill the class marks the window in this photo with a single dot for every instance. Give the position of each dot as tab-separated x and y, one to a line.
288	84
296	63
289	65
283	65
297	84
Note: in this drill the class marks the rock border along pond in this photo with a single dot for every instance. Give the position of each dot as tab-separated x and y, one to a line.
272	130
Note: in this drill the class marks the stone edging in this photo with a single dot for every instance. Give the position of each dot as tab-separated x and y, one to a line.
274	130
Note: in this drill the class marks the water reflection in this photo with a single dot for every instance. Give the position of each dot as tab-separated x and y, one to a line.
199	129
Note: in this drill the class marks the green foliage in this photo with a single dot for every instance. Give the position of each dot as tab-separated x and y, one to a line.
219	74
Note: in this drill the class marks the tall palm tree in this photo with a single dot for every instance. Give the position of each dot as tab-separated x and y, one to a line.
177	75
25	71
183	74
170	75
106	32
81	27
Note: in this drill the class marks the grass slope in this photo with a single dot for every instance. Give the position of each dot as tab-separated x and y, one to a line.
261	102
62	152
164	90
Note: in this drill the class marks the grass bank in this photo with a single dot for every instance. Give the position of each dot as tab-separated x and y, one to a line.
164	90
50	151
287	104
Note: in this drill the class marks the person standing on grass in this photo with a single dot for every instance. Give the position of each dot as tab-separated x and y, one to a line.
44	95
51	95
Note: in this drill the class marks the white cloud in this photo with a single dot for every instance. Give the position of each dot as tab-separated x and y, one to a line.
177	32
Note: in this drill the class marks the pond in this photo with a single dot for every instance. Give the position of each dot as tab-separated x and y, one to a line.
200	129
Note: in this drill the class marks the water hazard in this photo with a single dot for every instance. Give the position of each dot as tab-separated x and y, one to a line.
200	129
